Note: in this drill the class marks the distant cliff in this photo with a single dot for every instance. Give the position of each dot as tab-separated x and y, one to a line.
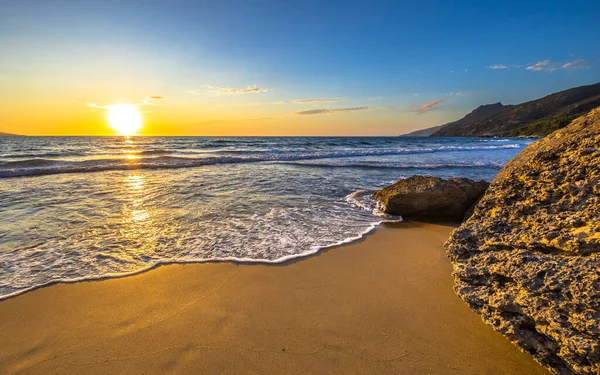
8	135
479	113
536	118
424	132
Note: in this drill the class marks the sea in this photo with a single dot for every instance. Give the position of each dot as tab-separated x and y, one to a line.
82	208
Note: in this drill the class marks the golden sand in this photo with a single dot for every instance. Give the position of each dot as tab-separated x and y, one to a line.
382	305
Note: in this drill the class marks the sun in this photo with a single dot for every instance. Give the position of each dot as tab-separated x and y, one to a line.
126	119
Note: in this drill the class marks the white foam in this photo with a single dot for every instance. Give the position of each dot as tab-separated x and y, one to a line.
314	250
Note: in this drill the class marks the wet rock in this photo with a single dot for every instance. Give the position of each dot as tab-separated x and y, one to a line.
528	259
431	197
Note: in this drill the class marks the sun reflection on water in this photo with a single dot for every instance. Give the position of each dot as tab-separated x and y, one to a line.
134	182
136	196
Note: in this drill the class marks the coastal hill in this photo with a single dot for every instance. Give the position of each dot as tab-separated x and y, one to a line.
480	113
527	259
2	134
535	118
424	132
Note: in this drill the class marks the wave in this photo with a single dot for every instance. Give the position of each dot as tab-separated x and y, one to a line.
392	165
360	198
283	259
150	152
364	199
21	155
36	167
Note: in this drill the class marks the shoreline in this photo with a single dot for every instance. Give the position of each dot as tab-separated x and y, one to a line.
236	261
383	304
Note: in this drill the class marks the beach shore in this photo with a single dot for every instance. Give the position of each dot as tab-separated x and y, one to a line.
381	305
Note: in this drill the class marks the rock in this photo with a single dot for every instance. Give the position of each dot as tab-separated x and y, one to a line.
528	259
431	197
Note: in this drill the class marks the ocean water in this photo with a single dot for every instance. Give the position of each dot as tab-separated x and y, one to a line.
76	208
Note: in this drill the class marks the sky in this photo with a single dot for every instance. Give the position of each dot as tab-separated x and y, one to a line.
236	67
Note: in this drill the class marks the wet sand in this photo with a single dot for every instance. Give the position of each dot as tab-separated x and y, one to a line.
382	305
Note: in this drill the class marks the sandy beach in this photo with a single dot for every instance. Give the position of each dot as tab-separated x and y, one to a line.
382	305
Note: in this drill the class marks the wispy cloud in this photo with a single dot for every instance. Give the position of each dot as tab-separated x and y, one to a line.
210	90
313	101
429	106
550	66
576	64
230	121
457	93
543	65
148	100
328	111
375	98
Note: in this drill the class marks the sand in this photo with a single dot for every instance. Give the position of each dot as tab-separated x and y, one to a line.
382	305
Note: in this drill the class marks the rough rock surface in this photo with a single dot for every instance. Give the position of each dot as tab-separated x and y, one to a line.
528	259
422	197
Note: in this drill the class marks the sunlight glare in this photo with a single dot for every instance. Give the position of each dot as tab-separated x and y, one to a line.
126	119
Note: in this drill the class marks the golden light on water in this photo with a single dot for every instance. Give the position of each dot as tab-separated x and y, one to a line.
126	119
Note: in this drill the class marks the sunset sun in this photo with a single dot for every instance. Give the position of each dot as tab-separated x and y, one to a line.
124	118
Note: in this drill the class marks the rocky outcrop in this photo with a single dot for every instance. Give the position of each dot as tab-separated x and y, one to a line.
528	259
430	197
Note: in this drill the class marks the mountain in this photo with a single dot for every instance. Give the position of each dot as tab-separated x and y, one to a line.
479	113
535	118
424	132
8	135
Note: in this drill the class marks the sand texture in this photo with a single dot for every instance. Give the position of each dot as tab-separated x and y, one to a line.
382	305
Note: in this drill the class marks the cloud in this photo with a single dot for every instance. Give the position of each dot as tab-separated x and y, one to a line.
328	111
549	66
429	106
297	101
543	65
230	121
219	91
576	64
314	101
457	93
148	100
375	98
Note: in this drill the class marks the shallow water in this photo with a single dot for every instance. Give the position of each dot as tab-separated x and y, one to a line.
76	208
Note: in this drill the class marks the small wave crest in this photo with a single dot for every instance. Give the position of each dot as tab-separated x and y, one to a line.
391	165
34	167
364	200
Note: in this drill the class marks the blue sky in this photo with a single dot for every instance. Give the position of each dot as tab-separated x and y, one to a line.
394	58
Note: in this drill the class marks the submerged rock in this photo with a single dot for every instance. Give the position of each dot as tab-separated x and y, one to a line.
431	197
528	259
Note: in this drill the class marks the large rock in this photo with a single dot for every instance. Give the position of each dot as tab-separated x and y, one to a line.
431	197
528	259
